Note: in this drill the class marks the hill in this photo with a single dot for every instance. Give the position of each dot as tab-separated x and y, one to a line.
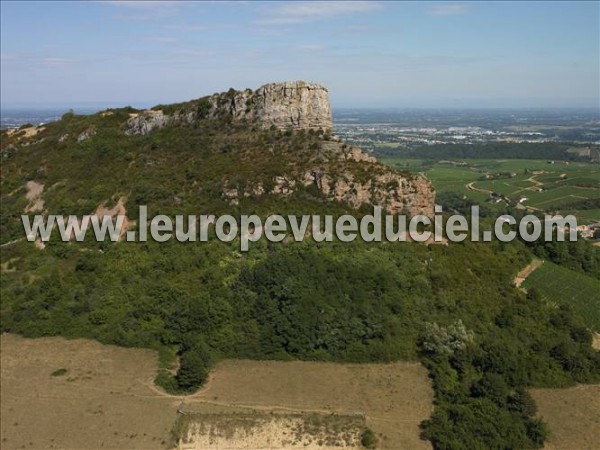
452	307
200	158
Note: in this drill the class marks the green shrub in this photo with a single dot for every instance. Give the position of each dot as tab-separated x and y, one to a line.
368	439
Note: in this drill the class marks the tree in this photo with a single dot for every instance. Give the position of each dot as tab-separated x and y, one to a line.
192	372
446	340
203	108
520	401
368	439
492	386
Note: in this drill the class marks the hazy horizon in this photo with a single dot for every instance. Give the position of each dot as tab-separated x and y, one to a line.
90	108
369	54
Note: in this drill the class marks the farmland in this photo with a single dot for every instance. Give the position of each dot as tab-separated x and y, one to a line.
546	186
393	398
561	285
59	393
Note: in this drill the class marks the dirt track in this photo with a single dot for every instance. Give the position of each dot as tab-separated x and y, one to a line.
526	271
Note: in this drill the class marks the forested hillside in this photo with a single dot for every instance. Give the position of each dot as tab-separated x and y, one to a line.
453	307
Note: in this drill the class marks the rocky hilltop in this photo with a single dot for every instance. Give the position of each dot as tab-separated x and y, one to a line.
242	149
297	105
333	170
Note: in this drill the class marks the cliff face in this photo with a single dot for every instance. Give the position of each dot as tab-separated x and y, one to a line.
298	105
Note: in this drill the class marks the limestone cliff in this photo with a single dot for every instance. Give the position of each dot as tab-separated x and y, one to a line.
297	105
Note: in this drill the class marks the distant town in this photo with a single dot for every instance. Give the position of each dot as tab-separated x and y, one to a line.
369	128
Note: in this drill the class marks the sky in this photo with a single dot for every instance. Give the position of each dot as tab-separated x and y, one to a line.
369	54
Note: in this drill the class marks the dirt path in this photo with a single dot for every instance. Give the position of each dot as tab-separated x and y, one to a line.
6	244
526	271
534	181
198	397
470	186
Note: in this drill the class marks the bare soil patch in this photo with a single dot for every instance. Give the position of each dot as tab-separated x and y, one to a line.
34	193
572	415
254	430
596	341
24	133
526	271
117	210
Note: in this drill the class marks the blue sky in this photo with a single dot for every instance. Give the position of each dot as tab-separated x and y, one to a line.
369	54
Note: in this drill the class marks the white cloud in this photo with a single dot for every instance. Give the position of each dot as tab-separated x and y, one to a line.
449	9
186	27
308	11
35	61
311	47
161	39
141	4
8	57
186	52
145	10
55	62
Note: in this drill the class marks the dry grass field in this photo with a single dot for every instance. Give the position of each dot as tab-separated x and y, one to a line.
394	398
572	415
79	394
100	402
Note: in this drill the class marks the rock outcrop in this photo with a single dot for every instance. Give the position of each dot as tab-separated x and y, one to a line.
397	194
145	122
334	170
83	136
347	174
295	105
298	105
